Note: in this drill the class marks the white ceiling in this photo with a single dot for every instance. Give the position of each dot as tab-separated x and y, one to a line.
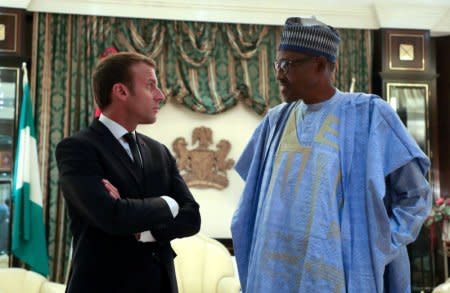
433	15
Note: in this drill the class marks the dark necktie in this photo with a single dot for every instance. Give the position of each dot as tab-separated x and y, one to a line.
129	138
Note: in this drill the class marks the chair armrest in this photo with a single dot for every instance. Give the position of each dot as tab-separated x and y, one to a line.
51	287
228	285
20	280
4	261
443	288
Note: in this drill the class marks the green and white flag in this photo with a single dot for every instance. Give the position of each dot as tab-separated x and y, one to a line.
28	233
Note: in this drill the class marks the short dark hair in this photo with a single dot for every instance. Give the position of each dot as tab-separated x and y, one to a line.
115	69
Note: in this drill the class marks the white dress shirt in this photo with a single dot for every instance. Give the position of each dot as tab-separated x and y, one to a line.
118	131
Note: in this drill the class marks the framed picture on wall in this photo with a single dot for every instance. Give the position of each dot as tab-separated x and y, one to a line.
410	101
9	91
10	31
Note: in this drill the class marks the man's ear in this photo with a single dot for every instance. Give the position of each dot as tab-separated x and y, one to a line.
322	63
120	91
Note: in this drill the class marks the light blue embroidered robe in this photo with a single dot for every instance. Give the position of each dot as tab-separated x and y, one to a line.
312	217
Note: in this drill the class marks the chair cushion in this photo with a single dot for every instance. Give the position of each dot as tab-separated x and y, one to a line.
443	288
201	264
17	280
51	287
4	261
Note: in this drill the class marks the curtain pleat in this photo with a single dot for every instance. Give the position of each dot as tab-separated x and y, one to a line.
353	61
67	48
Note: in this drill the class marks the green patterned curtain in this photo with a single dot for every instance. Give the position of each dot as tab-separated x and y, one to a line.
144	36
354	61
254	49
208	67
66	50
196	47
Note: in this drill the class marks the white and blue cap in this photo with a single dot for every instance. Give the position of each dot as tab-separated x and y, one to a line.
310	36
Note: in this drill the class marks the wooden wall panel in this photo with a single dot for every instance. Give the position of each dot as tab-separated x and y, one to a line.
443	98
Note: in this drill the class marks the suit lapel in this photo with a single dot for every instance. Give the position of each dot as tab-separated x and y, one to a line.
110	142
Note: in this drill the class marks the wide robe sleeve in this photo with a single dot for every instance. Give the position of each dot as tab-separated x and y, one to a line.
376	144
400	207
251	166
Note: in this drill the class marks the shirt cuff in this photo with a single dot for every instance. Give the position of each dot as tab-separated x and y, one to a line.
173	205
147	236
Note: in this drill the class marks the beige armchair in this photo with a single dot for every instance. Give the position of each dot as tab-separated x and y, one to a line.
17	280
4	261
204	265
443	288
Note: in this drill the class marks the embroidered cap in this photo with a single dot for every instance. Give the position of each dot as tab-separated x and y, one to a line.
310	36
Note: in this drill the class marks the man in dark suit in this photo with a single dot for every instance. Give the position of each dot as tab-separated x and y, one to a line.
125	197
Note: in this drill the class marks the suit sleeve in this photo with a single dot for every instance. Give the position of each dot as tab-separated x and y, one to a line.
80	175
187	222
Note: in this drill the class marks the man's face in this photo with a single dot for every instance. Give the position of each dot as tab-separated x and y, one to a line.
295	72
145	95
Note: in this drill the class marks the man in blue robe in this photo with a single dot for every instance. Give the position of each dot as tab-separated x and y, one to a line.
335	186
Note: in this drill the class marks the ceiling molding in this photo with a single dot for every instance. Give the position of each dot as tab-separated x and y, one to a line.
23	4
442	26
431	15
409	16
271	13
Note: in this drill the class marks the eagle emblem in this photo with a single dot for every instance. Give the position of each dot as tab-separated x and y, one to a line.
203	167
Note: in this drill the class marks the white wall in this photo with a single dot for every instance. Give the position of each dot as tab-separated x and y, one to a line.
236	125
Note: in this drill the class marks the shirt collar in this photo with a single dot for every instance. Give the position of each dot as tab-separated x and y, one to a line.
116	129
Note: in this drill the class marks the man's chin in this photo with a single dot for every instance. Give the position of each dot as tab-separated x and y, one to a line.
148	121
287	96
289	99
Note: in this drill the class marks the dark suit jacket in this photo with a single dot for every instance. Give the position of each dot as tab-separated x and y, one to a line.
106	255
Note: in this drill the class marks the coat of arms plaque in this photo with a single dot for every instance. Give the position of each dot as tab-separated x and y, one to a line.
203	167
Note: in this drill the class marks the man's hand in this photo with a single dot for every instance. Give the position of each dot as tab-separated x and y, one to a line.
114	193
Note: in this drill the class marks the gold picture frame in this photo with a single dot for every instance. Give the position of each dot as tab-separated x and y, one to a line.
9	92
410	101
9	32
407	52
